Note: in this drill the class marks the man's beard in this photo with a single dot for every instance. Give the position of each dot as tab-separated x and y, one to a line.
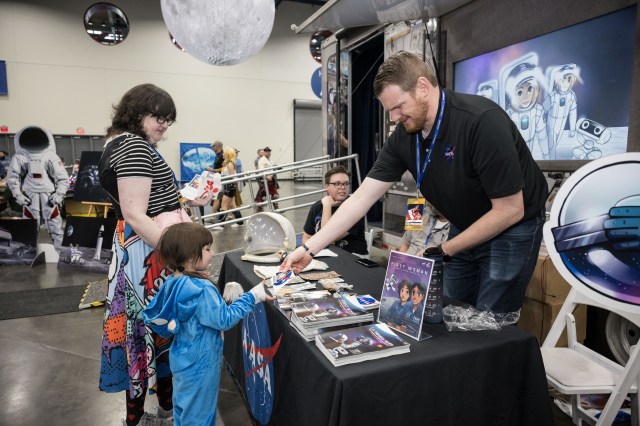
419	119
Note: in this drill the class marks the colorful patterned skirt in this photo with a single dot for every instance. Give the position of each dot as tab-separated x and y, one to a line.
130	351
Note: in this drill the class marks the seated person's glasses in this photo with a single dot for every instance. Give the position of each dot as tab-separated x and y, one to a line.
340	184
162	120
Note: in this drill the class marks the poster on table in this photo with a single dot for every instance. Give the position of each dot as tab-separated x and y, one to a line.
87	186
194	159
18	241
86	244
404	293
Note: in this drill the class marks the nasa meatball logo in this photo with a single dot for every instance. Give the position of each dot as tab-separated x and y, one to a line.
449	152
593	234
258	353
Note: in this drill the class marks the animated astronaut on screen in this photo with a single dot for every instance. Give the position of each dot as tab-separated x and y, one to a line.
38	180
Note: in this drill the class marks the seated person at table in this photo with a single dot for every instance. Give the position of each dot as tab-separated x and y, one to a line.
337	185
398	306
435	231
412	316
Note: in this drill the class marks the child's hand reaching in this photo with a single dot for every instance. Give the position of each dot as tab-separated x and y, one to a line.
260	294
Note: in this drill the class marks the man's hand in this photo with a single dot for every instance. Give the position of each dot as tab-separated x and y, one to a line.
296	261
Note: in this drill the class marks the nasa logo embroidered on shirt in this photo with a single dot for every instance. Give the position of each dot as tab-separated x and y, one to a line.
449	152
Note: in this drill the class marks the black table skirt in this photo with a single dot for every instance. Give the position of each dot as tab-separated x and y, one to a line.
453	378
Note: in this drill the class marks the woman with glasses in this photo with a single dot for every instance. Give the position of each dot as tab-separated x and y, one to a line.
338	185
145	197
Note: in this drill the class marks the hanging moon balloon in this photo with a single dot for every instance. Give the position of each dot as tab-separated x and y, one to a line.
219	32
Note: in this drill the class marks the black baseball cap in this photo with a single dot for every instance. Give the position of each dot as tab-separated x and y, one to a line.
266	148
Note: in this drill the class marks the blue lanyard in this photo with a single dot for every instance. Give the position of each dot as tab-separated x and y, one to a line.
175	181
421	173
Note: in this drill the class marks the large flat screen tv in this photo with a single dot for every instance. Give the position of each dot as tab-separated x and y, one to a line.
568	91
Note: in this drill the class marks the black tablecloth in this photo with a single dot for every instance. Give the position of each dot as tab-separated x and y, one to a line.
453	378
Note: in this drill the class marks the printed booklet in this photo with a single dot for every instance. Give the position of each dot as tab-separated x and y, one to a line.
404	291
328	312
362	343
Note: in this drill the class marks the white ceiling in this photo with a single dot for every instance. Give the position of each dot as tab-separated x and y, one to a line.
339	14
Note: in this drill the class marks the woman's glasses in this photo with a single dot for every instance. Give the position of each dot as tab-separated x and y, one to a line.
163	120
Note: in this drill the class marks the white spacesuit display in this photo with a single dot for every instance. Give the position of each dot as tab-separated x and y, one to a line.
38	179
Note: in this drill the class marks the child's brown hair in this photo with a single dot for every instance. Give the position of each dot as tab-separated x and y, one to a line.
183	242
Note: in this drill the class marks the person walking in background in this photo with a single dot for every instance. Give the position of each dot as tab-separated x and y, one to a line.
190	307
272	182
239	185
145	197
217	167
229	190
260	154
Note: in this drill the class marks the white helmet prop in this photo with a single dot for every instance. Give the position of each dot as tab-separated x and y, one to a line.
34	140
268	237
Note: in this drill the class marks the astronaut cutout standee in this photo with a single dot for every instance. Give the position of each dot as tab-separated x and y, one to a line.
38	180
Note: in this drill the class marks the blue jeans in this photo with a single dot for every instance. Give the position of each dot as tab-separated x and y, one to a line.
495	274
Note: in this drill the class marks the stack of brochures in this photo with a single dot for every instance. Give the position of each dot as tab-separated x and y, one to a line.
309	317
357	344
283	303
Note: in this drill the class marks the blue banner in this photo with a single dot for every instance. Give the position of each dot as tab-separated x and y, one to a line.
258	353
194	159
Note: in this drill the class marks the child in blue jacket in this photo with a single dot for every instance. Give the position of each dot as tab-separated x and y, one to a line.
190	308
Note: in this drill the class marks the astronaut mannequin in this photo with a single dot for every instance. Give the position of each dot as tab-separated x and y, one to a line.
562	104
522	90
38	179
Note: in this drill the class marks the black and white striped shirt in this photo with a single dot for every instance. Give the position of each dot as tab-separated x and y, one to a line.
128	156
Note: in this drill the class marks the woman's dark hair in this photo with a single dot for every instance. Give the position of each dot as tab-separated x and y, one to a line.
404	283
183	242
135	104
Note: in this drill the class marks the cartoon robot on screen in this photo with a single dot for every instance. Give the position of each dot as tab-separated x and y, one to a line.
522	91
561	104
38	179
590	134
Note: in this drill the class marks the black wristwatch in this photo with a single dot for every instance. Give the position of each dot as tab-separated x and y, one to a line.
436	251
304	246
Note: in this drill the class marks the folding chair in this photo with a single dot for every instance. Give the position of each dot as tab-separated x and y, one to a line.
592	240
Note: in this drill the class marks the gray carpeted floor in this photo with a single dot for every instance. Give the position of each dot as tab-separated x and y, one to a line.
47	301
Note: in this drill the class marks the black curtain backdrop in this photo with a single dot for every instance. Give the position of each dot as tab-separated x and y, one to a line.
365	109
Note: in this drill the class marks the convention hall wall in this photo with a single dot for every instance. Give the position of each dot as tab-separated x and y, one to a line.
485	25
61	79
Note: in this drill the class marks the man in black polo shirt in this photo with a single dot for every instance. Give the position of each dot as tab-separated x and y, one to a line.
473	166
